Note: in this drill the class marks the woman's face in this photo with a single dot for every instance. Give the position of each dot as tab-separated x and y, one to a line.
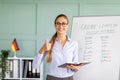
61	25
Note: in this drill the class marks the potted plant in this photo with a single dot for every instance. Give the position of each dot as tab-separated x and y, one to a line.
3	64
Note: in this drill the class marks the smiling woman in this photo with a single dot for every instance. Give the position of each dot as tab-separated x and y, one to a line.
59	50
61	24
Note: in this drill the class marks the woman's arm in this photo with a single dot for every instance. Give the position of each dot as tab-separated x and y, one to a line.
38	59
75	58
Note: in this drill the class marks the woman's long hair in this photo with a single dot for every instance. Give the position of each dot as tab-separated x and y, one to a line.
52	41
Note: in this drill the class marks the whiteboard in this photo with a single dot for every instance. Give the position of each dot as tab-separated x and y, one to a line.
99	43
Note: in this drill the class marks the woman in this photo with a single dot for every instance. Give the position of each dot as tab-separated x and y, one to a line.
59	50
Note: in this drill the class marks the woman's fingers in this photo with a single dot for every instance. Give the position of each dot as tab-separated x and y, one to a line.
75	68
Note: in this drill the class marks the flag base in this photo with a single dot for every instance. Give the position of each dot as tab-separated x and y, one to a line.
15	55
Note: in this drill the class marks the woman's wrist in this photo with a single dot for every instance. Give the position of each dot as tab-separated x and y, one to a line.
41	51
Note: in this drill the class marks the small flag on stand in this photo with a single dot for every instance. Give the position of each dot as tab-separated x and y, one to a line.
14	46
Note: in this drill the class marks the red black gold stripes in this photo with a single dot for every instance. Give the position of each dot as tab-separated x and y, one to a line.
14	46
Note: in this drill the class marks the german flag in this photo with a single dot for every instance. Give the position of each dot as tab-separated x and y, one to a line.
14	46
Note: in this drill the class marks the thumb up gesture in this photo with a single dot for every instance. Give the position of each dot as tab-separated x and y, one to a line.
46	47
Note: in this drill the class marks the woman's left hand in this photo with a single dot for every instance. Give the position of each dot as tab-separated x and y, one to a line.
75	68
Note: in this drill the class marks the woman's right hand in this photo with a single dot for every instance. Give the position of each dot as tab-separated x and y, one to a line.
46	47
75	68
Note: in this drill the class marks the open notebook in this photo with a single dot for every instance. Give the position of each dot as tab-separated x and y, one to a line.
75	64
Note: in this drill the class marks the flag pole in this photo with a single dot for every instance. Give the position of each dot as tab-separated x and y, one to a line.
15	55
